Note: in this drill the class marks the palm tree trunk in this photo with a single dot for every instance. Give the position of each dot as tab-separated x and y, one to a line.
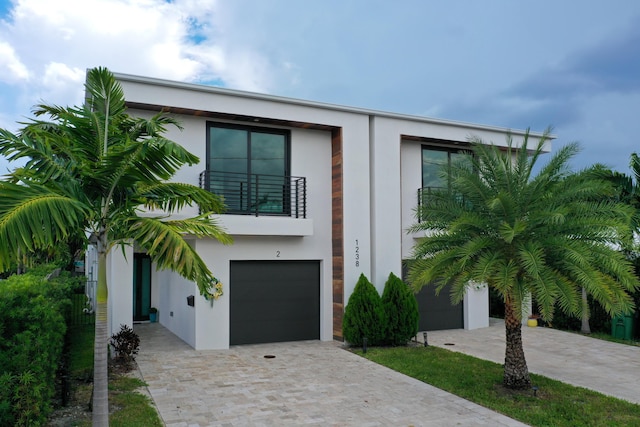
516	374
585	328
100	415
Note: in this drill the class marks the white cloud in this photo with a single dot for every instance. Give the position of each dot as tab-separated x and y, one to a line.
11	68
450	61
47	46
53	42
59	75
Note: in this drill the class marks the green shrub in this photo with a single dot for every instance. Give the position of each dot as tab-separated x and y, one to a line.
364	315
126	344
401	311
599	319
32	329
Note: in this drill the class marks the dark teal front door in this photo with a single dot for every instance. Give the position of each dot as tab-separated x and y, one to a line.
141	286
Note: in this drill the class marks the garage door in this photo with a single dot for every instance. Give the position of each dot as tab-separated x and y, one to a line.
274	301
437	312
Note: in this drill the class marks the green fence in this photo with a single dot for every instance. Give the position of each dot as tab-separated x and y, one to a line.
81	312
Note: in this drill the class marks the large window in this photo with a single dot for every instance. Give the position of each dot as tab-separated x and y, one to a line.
433	159
249	167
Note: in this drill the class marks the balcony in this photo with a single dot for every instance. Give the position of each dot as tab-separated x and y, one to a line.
425	192
258	195
423	195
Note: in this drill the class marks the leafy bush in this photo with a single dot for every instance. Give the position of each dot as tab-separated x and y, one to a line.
364	315
32	329
401	311
599	319
126	344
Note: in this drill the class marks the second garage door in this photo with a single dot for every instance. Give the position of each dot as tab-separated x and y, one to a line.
274	301
437	312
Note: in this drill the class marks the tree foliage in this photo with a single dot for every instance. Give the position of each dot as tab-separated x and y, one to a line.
98	170
401	311
32	329
364	315
547	234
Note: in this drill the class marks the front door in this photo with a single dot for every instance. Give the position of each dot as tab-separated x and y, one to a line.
141	286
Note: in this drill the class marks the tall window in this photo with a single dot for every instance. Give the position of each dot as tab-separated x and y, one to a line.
433	159
248	166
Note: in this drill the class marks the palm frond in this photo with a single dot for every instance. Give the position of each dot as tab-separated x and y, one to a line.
171	197
545	234
32	217
104	93
164	242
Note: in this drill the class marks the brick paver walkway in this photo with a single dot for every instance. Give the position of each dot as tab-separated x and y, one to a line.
307	383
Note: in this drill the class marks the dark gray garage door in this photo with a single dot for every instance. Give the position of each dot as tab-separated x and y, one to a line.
437	312
274	301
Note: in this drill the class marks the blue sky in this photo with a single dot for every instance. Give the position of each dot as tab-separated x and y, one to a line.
572	64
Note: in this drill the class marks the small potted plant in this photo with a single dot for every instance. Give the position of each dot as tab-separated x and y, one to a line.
153	315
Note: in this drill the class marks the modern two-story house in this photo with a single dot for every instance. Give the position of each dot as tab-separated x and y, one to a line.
316	194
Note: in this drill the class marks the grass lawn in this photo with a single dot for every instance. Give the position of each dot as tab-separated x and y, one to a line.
556	404
128	408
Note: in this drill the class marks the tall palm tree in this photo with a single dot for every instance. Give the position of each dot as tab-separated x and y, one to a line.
94	168
545	235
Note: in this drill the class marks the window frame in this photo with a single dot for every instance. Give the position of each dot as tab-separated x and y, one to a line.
250	174
286	133
448	150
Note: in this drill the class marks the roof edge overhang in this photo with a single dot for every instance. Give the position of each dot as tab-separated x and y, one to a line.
321	105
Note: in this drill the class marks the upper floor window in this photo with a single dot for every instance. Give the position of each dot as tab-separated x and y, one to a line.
249	167
433	159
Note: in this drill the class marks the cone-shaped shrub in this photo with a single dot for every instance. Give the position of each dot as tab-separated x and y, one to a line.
364	315
401	311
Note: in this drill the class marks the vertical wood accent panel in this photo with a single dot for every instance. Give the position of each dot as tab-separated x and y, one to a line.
337	232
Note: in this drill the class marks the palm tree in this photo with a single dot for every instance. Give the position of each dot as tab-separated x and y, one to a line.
96	168
626	190
544	235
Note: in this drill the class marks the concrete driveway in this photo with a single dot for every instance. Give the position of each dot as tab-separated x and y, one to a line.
306	383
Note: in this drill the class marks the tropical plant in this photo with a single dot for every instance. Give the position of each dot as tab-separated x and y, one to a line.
401	311
32	330
95	168
546	234
126	344
626	190
364	315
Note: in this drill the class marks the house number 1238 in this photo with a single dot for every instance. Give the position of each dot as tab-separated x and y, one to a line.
357	254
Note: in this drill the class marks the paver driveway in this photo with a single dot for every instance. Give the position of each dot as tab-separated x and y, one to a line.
307	383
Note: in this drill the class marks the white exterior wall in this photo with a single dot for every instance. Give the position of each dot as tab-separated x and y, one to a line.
386	199
171	290
380	178
206	326
356	203
411	177
476	307
120	282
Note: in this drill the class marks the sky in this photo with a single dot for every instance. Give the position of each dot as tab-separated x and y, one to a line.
573	65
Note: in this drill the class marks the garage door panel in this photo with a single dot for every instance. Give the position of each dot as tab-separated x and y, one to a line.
437	312
274	301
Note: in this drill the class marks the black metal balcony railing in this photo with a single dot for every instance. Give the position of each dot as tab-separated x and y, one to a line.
423	195
252	194
425	192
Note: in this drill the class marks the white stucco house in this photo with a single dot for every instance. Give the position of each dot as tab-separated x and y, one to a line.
317	194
